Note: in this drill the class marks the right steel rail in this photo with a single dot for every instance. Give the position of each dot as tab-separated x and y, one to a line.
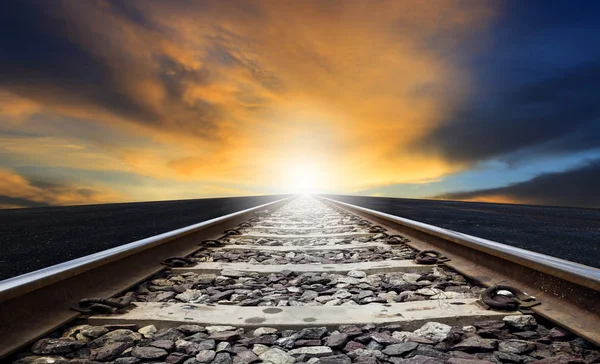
569	292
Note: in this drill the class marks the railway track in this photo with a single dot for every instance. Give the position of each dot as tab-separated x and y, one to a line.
305	280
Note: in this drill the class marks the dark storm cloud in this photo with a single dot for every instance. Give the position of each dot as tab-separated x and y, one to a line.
560	114
20	202
534	87
577	187
40	61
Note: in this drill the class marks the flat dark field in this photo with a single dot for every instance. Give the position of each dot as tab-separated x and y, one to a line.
35	238
563	232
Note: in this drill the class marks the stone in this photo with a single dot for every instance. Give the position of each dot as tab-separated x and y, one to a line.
508	357
222	358
245	357
399	349
84	333
232	273
224	346
490	324
352	345
312	333
148	331
191	329
226	335
366	360
187	347
516	346
264	339
337	340
520	322
213	329
149	352
475	344
127	360
56	346
163	344
189	295
417	359
383	338
205	356
207	345
357	274
467	361
276	356
168	334
334	359
264	331
176	358
560	334
434	331
259	349
312	351
109	352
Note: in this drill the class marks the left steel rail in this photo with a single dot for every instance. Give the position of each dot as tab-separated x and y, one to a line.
36	303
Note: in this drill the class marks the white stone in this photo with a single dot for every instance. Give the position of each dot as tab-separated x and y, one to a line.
446	295
276	356
520	321
259	349
411	277
189	295
213	329
148	331
428	291
264	331
357	274
312	351
434	331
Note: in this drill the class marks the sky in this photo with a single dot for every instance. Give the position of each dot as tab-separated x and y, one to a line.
112	101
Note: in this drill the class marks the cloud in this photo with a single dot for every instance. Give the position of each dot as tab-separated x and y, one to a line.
17	191
232	91
560	114
575	187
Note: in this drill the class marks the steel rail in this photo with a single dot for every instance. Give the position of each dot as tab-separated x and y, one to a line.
35	303
569	292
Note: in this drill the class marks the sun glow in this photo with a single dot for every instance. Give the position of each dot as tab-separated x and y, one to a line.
304	179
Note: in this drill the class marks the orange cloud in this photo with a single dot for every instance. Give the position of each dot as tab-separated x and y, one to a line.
244	92
22	193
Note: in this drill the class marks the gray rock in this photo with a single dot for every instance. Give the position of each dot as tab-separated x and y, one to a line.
205	356
434	331
168	334
399	349
56	346
521	322
374	345
245	357
366	360
233	273
127	360
222	358
417	359
176	358
353	345
467	361
224	346
337	340
109	352
516	346
475	344
312	351
276	356
187	347
259	349
312	333
384	339
163	344
334	359
148	331
191	329
149	352
84	333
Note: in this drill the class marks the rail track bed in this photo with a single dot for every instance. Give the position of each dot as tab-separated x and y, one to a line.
306	280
